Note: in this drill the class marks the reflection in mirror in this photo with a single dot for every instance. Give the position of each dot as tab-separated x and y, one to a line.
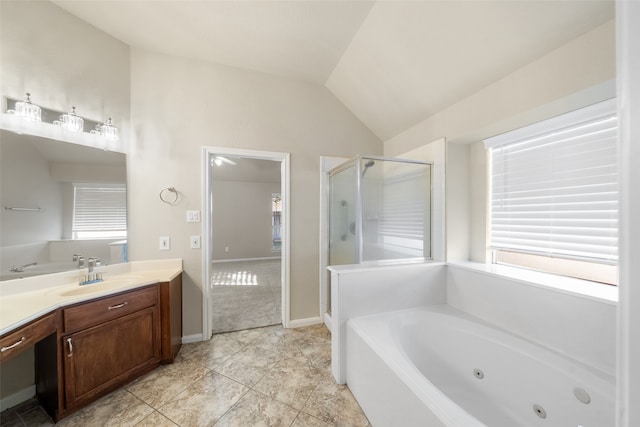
61	203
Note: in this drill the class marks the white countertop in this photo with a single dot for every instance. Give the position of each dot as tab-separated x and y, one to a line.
24	300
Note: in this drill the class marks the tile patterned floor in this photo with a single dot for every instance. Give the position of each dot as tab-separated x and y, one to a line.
257	377
245	294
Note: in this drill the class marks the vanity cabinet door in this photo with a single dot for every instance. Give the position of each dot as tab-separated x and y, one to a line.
99	359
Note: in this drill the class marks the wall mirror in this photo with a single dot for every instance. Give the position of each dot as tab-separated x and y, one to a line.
59	200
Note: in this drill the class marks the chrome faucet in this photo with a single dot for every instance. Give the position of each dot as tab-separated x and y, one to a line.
21	268
91	277
80	259
92	263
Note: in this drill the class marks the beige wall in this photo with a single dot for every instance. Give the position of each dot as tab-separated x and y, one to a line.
478	202
457	202
580	73
178	106
242	219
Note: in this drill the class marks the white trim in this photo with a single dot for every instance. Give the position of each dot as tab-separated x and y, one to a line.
628	95
327	321
188	339
267	258
17	397
572	118
285	252
285	160
301	323
326	165
206	241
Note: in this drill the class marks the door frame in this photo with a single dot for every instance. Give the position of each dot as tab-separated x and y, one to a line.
207	226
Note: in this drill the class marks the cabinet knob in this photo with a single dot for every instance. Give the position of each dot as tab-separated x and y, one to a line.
9	347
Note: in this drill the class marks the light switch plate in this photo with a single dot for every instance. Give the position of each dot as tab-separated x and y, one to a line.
165	243
193	216
195	242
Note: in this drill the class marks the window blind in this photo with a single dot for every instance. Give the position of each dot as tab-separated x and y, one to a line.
100	207
554	187
402	224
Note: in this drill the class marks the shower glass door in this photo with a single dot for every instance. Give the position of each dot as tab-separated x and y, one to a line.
343	247
396	209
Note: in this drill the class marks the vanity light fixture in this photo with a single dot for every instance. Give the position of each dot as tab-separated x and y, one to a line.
27	110
108	130
71	121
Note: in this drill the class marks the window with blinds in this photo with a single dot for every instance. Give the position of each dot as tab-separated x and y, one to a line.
99	211
404	223
554	194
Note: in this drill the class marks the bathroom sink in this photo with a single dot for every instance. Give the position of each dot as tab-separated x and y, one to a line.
107	284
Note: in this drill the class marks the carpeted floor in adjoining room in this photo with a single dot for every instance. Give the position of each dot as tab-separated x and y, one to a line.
246	294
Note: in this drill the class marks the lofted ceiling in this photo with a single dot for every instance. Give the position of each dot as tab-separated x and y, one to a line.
392	63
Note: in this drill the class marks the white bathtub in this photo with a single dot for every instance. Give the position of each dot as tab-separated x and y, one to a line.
422	367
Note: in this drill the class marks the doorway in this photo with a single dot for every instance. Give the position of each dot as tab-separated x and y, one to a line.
246	239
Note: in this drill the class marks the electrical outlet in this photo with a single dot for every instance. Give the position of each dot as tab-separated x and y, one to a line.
226	248
193	216
165	243
195	242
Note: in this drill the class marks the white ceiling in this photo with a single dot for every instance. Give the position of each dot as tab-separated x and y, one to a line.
410	60
392	63
298	39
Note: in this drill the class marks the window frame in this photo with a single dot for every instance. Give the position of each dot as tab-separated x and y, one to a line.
118	212
597	270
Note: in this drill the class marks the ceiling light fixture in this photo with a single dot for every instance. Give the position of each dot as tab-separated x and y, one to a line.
220	159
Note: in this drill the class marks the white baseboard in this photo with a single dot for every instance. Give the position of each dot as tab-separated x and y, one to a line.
17	398
327	321
187	339
218	261
301	323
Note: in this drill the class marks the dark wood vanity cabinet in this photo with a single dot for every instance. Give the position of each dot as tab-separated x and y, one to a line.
86	350
108	342
171	315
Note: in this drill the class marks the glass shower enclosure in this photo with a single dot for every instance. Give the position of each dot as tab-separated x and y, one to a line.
380	209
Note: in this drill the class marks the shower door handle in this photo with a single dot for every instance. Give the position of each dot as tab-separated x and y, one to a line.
345	223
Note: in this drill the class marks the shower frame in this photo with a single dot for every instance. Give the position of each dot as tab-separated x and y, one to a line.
359	208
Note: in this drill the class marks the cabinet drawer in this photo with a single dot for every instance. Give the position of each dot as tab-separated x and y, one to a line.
102	310
26	336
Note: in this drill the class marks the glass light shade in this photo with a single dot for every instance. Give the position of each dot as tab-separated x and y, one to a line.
27	110
71	121
108	130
